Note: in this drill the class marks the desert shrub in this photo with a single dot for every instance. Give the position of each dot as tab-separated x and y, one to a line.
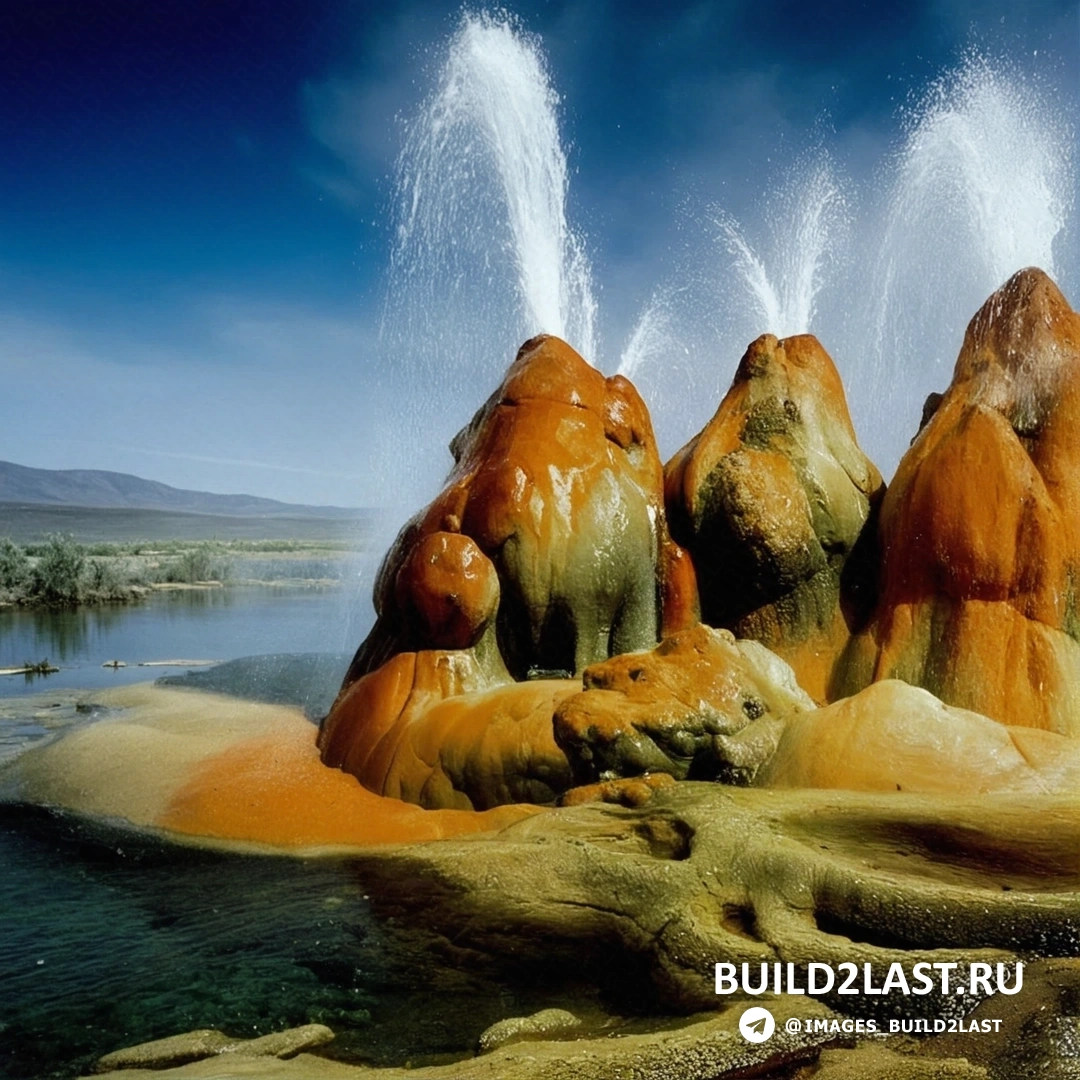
103	581
196	564
14	566
139	574
55	578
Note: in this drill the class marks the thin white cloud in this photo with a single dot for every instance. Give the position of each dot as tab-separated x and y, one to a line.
356	116
242	463
339	187
355	119
286	335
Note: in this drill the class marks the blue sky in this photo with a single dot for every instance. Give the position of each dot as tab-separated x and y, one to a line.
196	198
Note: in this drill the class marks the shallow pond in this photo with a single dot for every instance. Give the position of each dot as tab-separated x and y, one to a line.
108	938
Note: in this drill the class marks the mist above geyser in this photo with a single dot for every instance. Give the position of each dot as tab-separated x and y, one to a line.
886	271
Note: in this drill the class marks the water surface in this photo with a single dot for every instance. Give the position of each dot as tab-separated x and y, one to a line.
108	939
205	624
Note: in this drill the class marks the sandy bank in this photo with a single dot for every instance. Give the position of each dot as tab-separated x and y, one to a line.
218	770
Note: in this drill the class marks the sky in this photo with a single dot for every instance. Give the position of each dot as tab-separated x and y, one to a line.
197	204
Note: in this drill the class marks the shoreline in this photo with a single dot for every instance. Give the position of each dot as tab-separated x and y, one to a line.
65	574
142	592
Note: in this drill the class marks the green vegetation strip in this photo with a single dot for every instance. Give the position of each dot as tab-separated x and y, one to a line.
60	572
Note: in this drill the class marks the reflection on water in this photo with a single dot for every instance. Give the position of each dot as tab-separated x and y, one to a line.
65	633
202	624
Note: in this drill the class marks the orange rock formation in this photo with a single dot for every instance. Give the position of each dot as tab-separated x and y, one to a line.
674	709
980	529
771	500
434	729
558	483
546	551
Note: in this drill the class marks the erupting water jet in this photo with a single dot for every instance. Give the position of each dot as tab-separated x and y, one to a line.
484	253
982	186
807	221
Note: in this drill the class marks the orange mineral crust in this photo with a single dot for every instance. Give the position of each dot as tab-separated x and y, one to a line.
775	503
221	770
430	728
274	790
980	529
556	496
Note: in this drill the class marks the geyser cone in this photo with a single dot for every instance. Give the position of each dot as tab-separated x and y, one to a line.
546	551
771	500
558	483
980	530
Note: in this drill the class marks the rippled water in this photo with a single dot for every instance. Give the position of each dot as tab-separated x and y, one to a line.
110	945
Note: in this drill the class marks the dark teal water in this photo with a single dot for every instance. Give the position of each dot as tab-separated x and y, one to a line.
110	943
109	939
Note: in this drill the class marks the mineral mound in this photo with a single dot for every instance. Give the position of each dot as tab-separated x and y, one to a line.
980	529
774	500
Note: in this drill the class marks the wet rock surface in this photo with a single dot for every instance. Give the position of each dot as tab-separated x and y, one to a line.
197	1045
654	897
777	509
449	729
558	483
705	706
433	728
546	551
674	709
896	737
1031	1034
630	791
701	1049
168	1052
980	529
548	1023
772	501
875	1062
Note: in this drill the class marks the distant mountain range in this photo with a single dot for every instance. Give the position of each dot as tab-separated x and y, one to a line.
94	488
